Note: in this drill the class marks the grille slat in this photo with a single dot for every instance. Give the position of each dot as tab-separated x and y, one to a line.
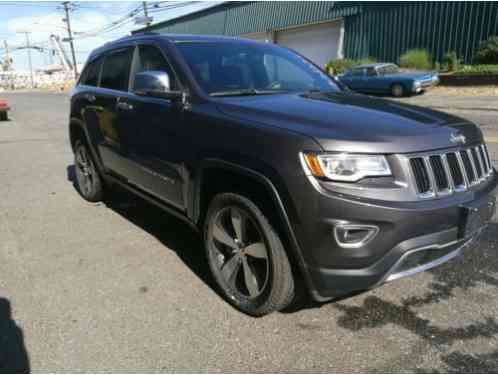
421	175
445	173
483	158
439	172
456	172
477	163
488	158
469	171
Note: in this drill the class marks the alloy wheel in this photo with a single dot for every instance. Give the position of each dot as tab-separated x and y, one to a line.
240	251
85	172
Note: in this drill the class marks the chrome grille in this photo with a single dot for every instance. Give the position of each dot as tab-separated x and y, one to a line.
444	173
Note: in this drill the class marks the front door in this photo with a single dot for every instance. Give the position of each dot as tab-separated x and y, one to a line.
156	126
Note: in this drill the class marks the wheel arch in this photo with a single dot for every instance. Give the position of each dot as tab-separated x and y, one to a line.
77	130
400	83
258	187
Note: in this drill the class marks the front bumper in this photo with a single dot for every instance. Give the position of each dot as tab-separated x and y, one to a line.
411	239
426	85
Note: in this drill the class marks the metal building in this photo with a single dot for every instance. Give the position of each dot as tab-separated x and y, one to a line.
327	30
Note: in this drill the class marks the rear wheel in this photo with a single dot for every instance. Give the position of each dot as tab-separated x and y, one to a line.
397	90
246	256
88	181
4	116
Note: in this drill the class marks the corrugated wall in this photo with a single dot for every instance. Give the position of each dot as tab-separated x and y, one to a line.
385	31
252	17
269	15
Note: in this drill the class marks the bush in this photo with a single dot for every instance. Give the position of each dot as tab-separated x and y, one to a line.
451	62
478	69
487	53
339	66
415	59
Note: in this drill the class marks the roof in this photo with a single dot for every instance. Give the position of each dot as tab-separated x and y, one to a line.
171	37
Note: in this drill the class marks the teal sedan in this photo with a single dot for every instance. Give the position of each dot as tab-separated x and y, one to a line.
386	78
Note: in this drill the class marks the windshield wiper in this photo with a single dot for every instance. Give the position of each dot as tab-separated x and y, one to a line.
245	92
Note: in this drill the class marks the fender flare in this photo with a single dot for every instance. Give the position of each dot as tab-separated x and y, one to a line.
272	190
93	149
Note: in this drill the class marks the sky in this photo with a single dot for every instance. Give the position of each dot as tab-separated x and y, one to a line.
90	23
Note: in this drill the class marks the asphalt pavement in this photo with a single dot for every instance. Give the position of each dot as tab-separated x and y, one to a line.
121	286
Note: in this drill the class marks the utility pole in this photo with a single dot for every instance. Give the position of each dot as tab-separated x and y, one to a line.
7	63
68	22
146	14
28	47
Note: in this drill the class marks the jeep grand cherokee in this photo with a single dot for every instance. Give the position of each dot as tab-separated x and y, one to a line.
289	175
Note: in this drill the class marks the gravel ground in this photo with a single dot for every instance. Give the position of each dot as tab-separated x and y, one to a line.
124	287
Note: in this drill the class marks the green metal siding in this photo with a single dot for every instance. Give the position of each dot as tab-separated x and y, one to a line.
382	30
252	17
385	31
264	16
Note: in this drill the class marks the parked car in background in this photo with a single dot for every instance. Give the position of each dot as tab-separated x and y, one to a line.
4	110
288	176
386	78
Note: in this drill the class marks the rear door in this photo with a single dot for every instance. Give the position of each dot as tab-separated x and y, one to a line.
114	83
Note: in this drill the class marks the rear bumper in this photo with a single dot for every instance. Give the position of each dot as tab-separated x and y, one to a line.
423	239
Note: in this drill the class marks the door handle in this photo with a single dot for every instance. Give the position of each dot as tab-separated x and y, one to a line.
91	98
125	106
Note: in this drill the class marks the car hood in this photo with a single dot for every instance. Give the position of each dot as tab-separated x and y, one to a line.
347	122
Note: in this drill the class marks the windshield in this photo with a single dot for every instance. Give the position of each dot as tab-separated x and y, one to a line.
388	69
227	68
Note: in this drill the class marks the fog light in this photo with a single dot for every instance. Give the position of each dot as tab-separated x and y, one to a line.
354	235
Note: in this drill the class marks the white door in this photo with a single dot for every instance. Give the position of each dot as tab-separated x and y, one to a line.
260	37
319	43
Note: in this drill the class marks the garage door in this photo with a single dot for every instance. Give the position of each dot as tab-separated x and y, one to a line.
320	43
260	37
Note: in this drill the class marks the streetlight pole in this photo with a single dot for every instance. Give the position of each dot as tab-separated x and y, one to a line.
68	22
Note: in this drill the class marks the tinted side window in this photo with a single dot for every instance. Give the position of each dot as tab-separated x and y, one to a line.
151	58
116	70
91	74
371	72
358	72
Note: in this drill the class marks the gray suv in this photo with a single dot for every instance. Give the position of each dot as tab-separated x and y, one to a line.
290	177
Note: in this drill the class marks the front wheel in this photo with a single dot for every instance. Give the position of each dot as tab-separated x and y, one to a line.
246	256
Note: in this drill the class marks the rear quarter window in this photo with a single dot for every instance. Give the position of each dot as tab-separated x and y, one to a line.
90	76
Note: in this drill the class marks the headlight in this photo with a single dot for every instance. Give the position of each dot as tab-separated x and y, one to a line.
417	84
346	167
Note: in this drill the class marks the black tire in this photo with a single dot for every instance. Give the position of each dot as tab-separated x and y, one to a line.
397	90
88	180
4	116
259	278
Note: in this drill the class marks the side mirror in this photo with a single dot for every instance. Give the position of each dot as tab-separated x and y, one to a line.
156	84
